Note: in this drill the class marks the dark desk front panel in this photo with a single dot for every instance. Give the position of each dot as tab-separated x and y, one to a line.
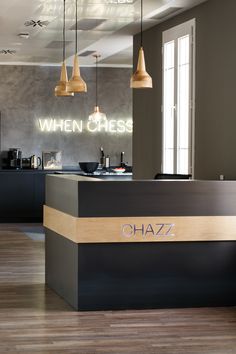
141	275
144	198
156	275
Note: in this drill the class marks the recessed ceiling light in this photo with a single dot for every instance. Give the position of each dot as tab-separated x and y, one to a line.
87	24
86	53
24	35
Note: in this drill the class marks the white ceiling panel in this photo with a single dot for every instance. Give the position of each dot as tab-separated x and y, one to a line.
113	25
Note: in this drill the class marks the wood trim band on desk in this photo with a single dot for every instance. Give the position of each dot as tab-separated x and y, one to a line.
140	229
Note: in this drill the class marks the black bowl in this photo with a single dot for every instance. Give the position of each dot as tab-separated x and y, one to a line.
88	167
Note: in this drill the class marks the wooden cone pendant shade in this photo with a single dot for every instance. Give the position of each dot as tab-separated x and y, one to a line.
61	88
141	79
76	83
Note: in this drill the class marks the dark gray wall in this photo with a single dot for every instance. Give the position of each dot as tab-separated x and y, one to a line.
215	142
27	93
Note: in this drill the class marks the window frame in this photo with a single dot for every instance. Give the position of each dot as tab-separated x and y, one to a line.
173	34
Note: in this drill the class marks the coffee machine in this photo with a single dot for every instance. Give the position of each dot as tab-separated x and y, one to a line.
15	158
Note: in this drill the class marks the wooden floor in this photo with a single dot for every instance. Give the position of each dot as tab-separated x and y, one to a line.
36	321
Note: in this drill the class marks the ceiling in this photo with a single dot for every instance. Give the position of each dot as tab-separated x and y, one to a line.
105	26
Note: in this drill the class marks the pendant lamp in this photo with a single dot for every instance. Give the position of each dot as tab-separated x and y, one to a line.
141	79
97	116
76	83
61	88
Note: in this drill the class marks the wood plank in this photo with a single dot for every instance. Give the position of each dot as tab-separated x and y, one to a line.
140	229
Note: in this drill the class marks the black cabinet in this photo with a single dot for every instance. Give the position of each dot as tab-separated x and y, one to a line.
21	196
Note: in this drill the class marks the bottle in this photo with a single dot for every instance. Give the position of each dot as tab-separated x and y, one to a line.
122	164
102	158
107	162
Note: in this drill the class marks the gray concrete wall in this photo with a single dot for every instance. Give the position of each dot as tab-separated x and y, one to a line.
215	142
27	94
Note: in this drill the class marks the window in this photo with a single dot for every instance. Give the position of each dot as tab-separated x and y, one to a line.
178	99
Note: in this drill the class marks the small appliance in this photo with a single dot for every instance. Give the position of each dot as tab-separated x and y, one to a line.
15	158
35	162
26	163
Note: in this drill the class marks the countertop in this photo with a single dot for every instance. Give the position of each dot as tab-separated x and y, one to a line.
67	172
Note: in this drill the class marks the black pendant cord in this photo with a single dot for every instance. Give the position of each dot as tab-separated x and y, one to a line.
64	32
96	81
141	23
76	27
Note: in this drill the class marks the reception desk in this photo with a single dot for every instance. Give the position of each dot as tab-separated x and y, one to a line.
140	244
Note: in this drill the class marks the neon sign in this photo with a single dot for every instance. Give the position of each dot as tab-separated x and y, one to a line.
115	126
